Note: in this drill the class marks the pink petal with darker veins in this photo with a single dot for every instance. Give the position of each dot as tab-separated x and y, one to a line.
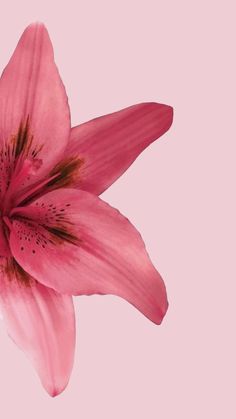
78	244
34	112
108	145
41	322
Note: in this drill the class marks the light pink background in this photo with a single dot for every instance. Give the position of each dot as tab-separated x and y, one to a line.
179	194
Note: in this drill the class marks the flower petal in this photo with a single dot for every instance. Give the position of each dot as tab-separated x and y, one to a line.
4	246
41	323
78	244
108	145
34	112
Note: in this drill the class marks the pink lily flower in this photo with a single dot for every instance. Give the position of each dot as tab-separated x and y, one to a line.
57	238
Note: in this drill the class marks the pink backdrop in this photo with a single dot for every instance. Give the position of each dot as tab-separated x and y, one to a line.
179	194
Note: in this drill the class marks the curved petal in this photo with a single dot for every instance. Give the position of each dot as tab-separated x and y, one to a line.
108	145
78	244
34	112
41	322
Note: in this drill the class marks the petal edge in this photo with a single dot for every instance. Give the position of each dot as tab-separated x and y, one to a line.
42	323
109	256
109	144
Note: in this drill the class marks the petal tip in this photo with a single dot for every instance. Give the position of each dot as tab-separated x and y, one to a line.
34	29
55	390
163	313
35	25
170	113
166	111
158	314
162	113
